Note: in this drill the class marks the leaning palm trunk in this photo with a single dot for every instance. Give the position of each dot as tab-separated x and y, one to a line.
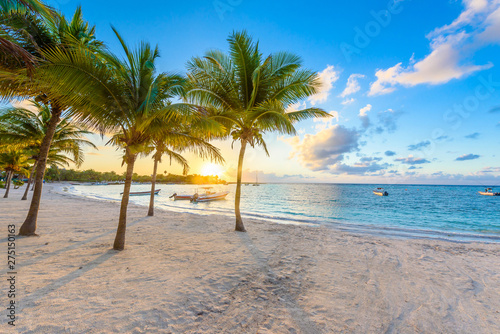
29	226
239	222
152	198
119	243
30	179
8	178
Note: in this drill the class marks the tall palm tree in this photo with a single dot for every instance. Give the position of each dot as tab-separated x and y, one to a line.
122	97
249	94
170	139
12	54
13	161
40	35
26	129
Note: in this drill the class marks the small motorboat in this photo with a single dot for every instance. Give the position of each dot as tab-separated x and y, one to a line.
181	197
488	192
209	195
75	184
142	193
99	184
380	192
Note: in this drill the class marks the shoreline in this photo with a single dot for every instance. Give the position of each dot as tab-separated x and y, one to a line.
187	273
455	236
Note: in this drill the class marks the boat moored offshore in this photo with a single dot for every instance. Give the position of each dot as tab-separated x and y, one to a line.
380	192
209	195
142	193
489	192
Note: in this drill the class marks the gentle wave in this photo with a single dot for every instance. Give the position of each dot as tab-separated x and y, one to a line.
425	213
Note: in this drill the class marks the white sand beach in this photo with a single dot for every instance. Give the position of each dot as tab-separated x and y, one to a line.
184	273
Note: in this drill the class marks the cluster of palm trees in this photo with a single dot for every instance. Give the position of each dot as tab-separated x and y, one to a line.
21	134
80	86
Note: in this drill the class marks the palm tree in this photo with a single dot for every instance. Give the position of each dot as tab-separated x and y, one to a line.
12	54
122	97
170	139
25	129
249	94
40	35
14	161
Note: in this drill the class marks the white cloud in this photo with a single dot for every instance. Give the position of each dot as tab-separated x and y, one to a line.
452	45
327	77
325	148
411	160
363	111
490	34
296	107
365	121
326	122
326	151
348	101
352	85
473	9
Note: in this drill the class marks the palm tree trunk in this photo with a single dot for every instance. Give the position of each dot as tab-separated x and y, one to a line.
119	243
29	226
239	222
153	181
25	196
7	183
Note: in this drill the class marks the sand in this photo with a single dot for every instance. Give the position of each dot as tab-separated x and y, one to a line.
184	273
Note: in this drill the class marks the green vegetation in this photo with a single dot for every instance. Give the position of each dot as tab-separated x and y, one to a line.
55	174
249	94
24	130
79	86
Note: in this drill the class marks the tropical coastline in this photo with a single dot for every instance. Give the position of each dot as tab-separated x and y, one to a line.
185	273
231	185
412	211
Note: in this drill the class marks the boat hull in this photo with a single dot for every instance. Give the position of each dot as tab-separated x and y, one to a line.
488	193
211	197
181	197
381	193
142	193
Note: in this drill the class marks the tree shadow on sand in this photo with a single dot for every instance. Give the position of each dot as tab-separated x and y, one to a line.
301	318
25	262
62	281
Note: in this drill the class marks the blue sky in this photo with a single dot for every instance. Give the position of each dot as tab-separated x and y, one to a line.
413	85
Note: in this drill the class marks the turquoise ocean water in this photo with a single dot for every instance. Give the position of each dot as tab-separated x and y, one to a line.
456	213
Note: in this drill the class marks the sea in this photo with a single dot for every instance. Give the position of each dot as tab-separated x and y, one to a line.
454	213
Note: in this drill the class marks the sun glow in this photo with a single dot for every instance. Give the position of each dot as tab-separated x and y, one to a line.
211	169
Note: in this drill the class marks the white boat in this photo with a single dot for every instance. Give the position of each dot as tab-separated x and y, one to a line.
488	192
380	192
142	193
184	197
208	195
